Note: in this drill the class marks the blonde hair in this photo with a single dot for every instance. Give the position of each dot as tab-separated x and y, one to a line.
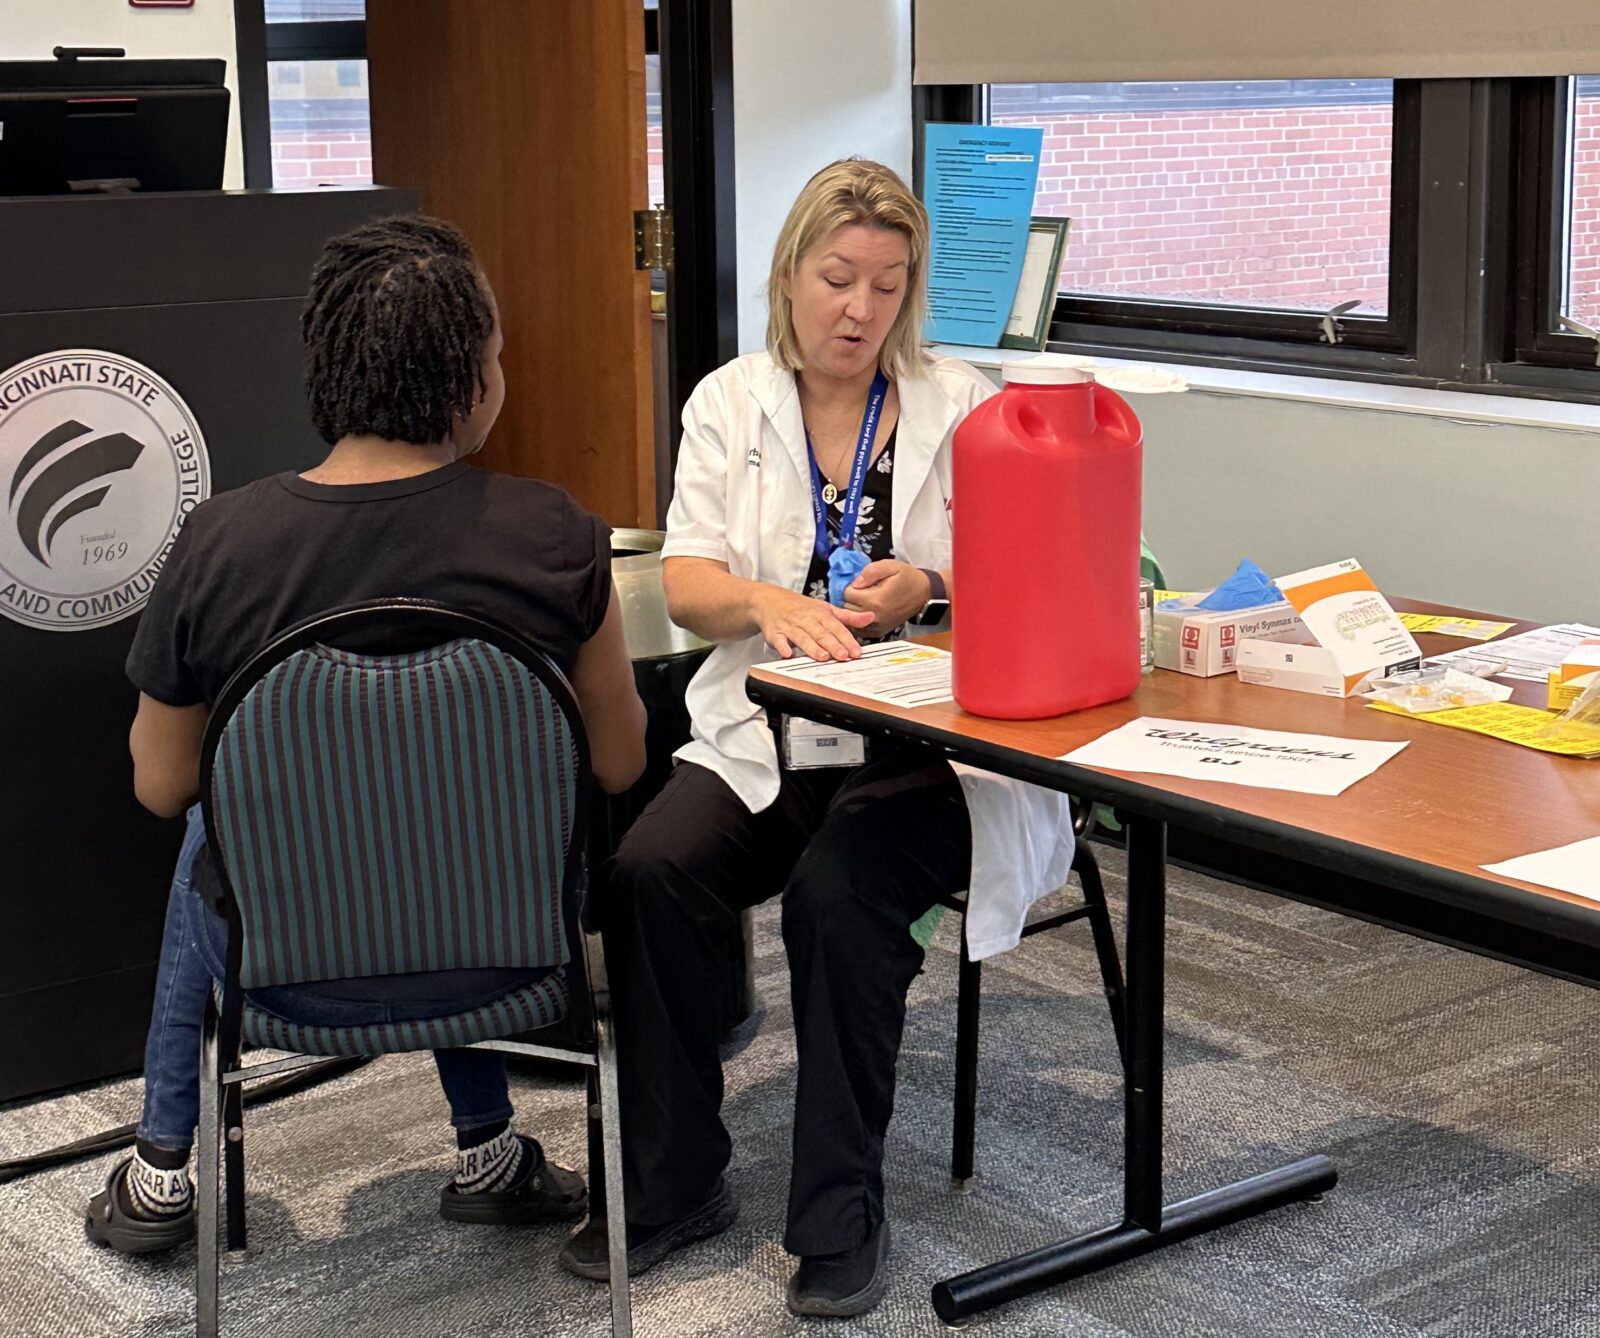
852	190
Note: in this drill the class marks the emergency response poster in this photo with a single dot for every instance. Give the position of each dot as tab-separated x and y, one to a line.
978	186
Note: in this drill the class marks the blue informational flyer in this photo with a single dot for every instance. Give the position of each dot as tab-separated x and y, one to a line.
978	185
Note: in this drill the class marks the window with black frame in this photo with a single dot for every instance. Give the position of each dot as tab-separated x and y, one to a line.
1555	328
317	93
1450	226
1230	215
1581	141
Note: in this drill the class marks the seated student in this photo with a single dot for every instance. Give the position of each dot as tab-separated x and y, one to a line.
403	342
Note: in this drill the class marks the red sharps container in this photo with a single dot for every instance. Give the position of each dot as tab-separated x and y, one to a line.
1046	519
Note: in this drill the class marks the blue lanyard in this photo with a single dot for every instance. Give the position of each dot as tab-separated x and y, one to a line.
858	473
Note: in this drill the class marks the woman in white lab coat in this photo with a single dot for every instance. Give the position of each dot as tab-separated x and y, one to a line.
822	462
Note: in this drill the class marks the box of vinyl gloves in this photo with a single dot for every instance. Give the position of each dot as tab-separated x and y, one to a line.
1206	643
1352	635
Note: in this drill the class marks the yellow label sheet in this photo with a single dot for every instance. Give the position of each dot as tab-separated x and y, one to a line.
1471	629
1513	723
915	655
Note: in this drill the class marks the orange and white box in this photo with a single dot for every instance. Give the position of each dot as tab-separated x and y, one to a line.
1572	677
1352	635
1206	644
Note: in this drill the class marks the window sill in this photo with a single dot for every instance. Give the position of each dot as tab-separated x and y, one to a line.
1462	406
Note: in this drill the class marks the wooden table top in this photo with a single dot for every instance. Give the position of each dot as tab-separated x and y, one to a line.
1451	802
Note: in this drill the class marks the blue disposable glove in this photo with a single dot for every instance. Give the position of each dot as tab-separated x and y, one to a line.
1248	588
844	565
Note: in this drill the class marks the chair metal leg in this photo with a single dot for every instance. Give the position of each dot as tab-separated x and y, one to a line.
595	1130
208	1263
233	1163
1087	868
611	1140
969	994
603	1095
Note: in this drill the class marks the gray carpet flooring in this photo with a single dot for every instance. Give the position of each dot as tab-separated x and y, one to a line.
1455	1094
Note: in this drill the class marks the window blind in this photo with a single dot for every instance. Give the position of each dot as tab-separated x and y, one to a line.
1104	41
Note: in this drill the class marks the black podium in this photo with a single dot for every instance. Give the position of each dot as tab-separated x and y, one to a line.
204	290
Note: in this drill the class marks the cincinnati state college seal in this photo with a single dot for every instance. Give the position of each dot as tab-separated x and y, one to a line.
100	462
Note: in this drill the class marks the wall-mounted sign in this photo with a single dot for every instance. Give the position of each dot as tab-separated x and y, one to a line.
100	461
979	189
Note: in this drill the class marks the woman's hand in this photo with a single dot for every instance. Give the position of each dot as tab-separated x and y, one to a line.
890	591
793	622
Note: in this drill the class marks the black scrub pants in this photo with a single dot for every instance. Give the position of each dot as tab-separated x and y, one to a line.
859	855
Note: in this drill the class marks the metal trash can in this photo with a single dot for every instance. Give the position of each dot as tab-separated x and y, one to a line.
665	658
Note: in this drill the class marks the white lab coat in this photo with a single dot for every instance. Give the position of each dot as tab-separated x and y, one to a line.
742	497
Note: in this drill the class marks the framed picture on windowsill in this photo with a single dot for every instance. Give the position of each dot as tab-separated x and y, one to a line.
1029	323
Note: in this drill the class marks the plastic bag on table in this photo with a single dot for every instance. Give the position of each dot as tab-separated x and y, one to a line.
1580	722
1436	687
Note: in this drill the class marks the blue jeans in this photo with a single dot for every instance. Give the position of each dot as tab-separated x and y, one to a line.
193	952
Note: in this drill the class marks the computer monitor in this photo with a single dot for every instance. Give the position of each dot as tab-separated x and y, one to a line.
74	124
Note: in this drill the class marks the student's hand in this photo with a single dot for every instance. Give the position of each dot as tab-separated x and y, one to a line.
793	622
890	591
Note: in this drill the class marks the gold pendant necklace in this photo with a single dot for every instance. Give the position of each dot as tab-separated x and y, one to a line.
830	494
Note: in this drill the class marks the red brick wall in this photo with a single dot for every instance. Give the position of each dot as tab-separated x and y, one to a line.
655	163
1286	206
1583	282
1277	206
311	157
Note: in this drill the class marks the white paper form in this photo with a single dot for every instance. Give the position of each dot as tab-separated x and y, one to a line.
1574	868
1529	656
1270	759
897	673
1036	277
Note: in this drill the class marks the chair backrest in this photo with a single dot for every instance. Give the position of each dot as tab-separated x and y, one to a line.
377	815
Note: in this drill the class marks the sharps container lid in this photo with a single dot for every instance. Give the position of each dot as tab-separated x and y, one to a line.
1048	369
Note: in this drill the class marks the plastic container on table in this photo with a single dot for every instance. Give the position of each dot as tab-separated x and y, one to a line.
1045	518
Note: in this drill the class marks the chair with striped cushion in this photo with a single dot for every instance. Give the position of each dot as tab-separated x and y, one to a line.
386	815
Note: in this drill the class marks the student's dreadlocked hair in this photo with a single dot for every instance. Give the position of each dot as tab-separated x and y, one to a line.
395	326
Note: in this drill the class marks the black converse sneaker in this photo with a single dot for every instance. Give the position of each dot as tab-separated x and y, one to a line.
506	1181
142	1209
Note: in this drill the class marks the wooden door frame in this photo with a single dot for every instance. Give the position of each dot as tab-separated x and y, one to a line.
695	39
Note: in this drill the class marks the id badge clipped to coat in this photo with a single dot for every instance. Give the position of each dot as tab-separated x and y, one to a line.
808	745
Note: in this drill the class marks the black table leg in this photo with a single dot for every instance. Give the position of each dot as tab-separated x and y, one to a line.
1147	1006
1146	1225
